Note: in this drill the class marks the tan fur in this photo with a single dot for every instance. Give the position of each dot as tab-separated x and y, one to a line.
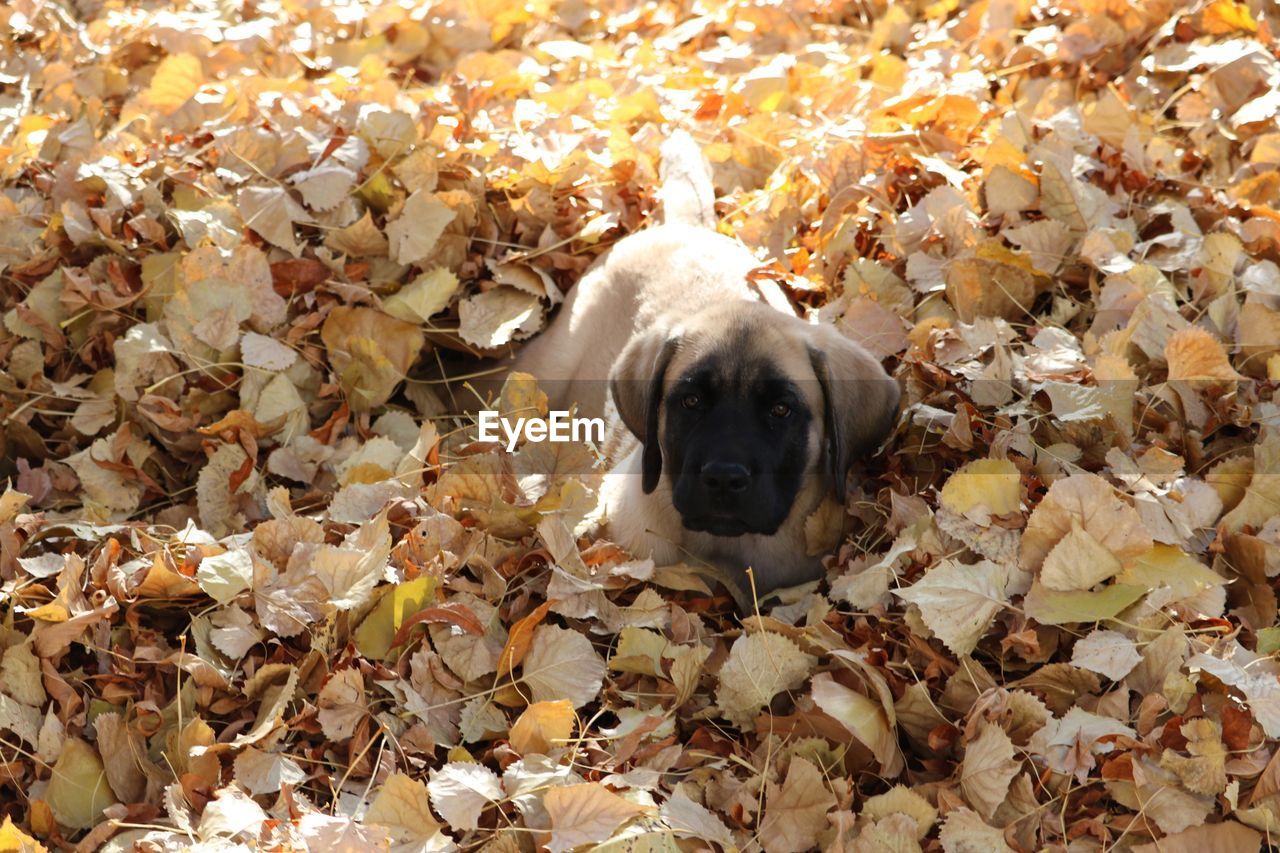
685	287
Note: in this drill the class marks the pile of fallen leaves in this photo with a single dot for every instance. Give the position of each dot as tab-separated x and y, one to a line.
260	587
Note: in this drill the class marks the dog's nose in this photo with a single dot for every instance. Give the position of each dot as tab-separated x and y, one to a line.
725	476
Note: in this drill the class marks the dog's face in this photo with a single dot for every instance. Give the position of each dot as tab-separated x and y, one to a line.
736	442
744	408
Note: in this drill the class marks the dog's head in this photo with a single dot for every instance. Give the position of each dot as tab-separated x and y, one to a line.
743	407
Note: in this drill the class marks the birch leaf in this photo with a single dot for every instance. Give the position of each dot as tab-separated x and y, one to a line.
958	602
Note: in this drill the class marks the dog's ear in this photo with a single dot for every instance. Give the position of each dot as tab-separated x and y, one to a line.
635	382
860	401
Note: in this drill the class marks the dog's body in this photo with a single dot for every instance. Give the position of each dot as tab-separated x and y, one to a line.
732	419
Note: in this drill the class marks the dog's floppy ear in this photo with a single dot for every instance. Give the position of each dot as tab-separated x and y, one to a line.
860	401
636	385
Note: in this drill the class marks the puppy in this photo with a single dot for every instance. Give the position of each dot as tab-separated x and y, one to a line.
731	417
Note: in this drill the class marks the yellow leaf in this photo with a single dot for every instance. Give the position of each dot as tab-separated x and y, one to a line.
1052	607
542	727
424	297
176	80
14	840
373	637
11	503
370	351
1227	16
639	650
78	790
984	486
1168	565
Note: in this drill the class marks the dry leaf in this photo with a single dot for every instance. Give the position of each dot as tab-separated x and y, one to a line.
561	664
499	316
796	810
401	808
78	789
1108	653
585	814
865	718
988	770
1086	501
902	800
1078	562
983	488
1194	354
964	831
462	790
958	602
370	351
759	666
542	727
421	222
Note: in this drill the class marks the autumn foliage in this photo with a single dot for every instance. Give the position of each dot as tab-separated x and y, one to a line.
261	589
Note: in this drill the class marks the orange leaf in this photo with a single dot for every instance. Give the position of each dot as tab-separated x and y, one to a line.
1194	353
520	638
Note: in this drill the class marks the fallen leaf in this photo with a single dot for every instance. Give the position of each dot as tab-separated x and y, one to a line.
983	488
795	810
987	770
401	808
370	351
584	814
78	789
461	791
499	316
1087	501
964	831
421	222
958	602
759	666
1194	354
542	727
561	664
1108	653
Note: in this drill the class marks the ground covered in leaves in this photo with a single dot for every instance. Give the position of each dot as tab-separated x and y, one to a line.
259	590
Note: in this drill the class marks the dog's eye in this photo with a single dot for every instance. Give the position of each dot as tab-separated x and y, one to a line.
780	410
690	401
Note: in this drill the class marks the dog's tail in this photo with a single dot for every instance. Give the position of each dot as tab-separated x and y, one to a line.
686	193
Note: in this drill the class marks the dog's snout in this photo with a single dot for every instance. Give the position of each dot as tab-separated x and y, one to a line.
730	477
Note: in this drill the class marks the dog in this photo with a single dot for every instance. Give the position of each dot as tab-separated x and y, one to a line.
731	418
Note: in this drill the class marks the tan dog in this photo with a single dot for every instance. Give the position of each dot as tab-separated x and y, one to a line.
739	416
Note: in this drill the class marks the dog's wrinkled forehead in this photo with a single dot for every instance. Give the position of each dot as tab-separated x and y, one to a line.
740	350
